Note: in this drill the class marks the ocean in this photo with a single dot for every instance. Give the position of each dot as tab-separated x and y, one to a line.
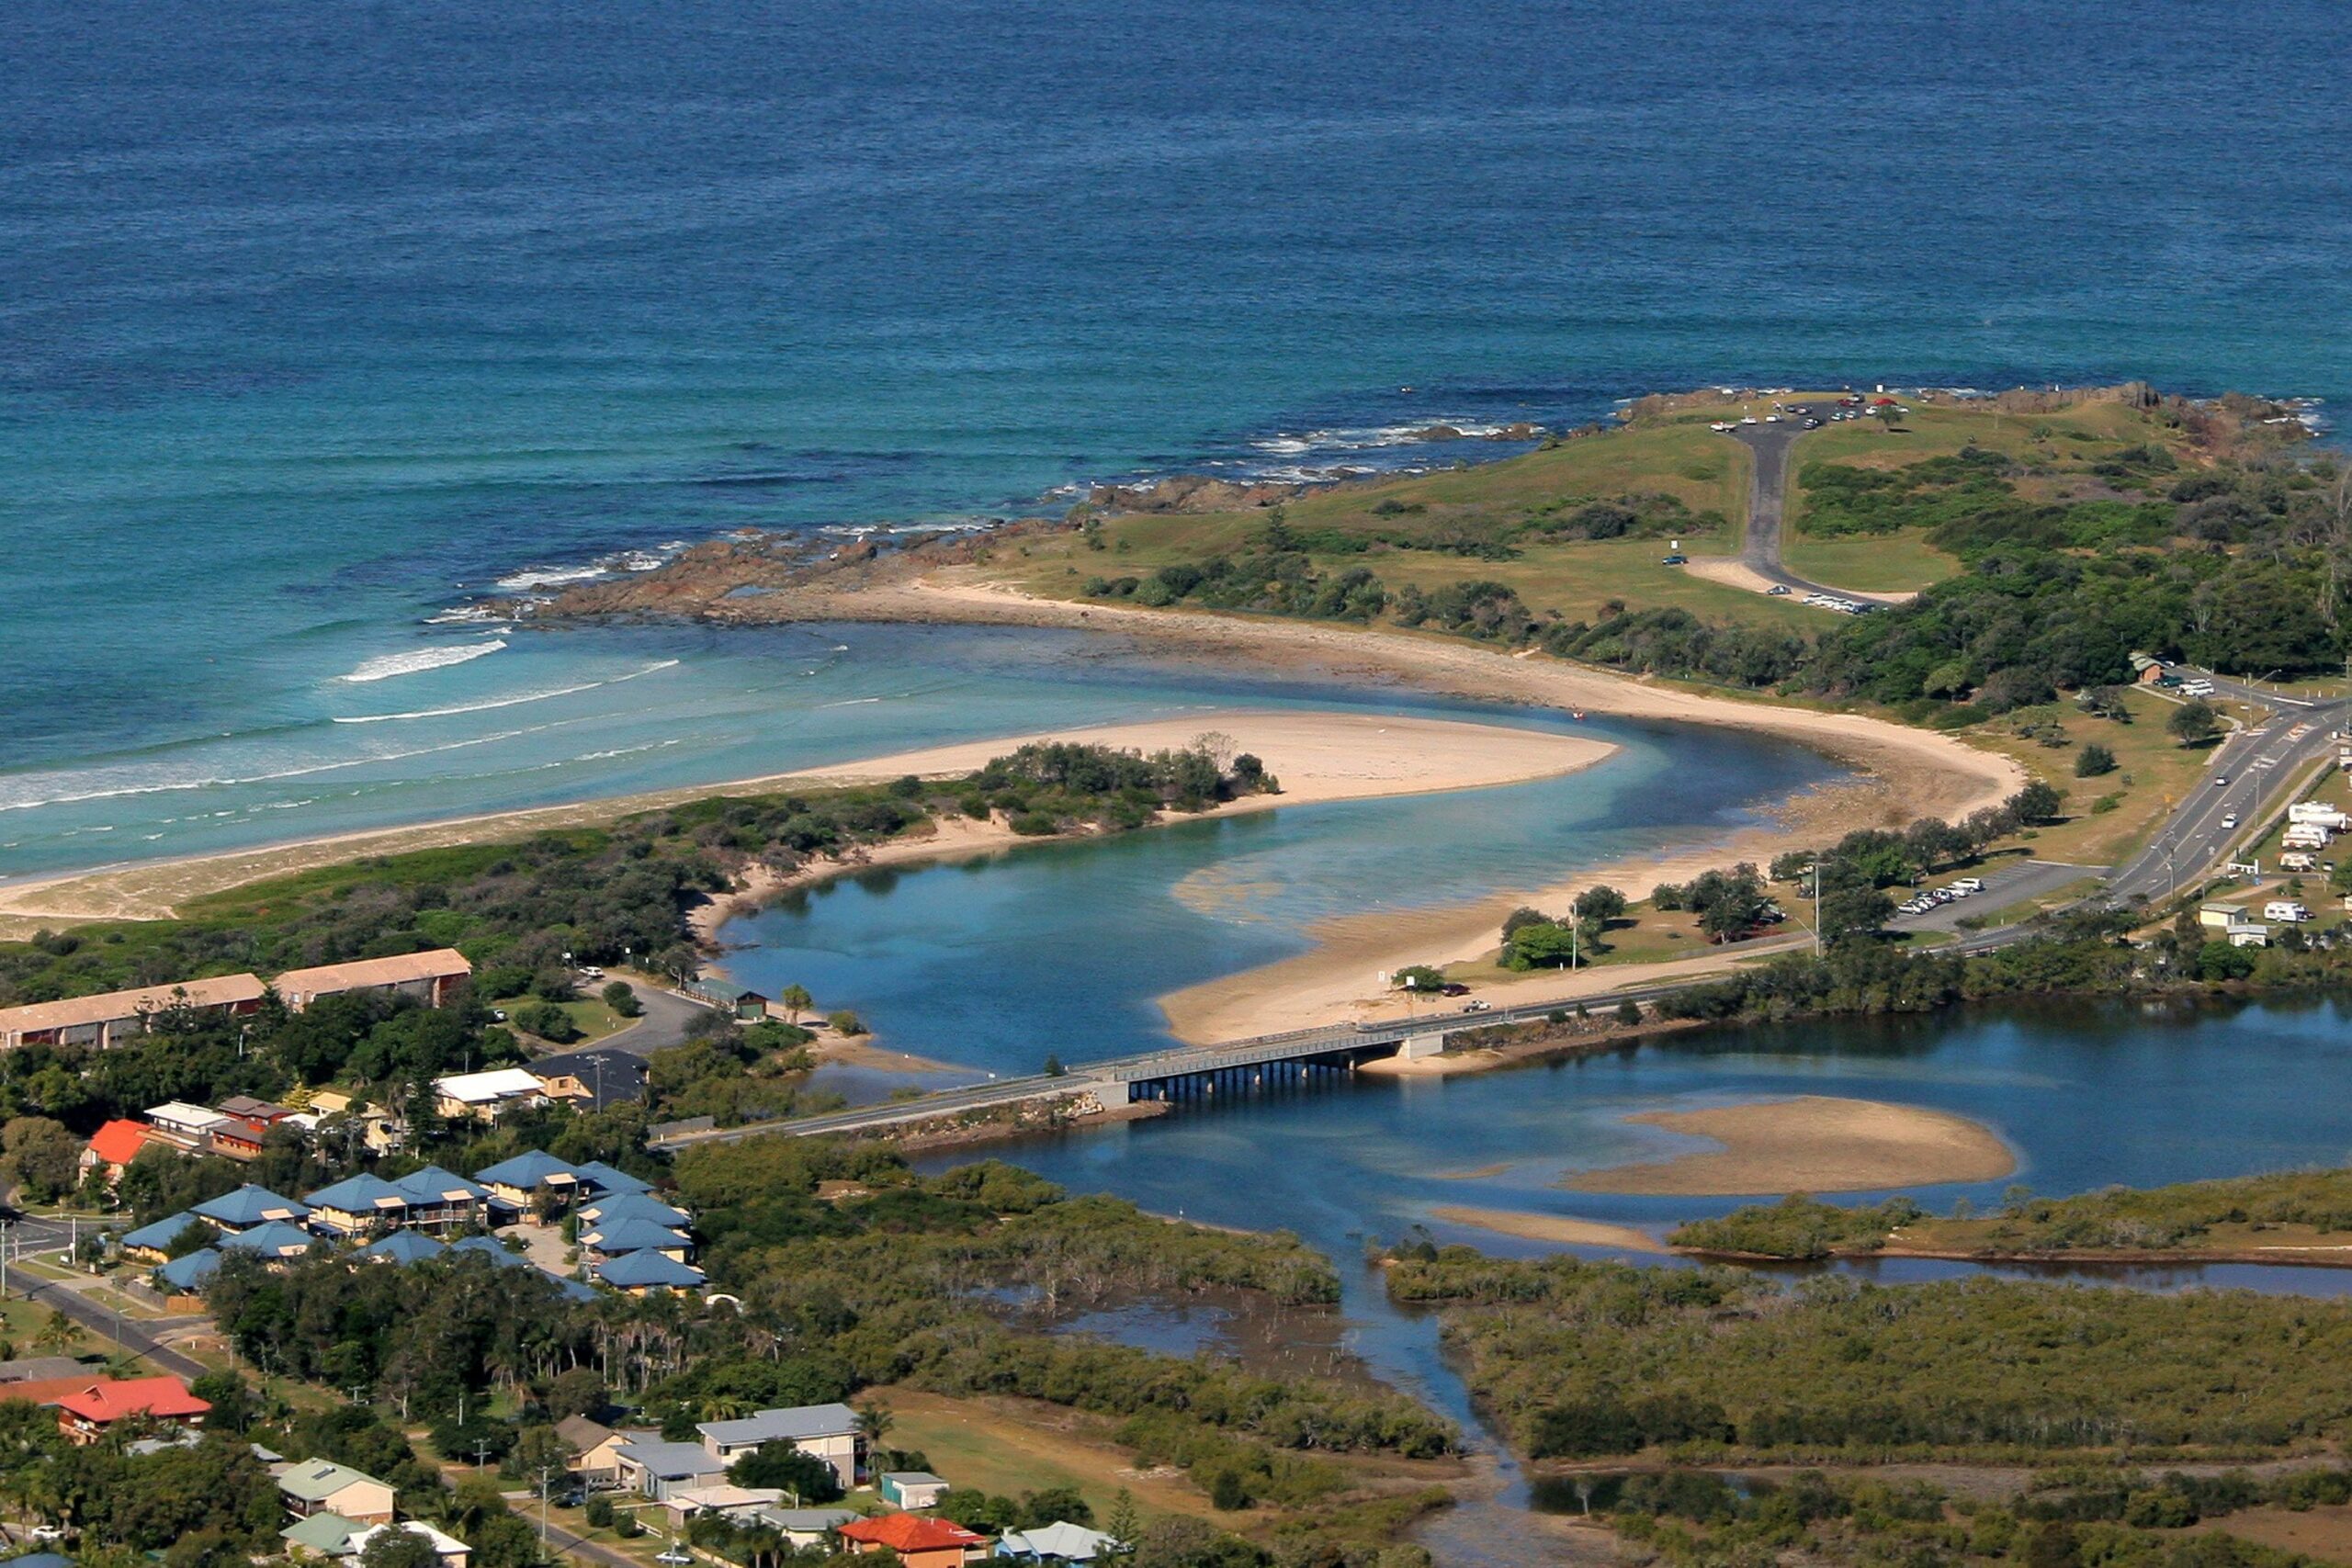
315	321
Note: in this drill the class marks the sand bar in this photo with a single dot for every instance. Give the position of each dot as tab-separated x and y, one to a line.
1905	774
1810	1143
1562	1228
1316	756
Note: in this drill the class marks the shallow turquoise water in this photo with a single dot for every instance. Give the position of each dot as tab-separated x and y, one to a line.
314	320
1059	949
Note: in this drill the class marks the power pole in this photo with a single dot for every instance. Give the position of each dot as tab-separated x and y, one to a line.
482	1448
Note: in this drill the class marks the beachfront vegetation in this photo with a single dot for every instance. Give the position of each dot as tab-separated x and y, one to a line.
1582	1359
2270	1212
2062	1519
523	912
1798	1227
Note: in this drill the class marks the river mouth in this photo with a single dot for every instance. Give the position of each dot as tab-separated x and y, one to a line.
1061	949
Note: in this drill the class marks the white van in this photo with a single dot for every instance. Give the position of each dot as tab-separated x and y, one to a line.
2286	910
1968	884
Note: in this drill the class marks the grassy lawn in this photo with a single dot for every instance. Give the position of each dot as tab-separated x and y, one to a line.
1576	578
592	1018
2153	773
1012	1446
1878	563
22	1322
1644	934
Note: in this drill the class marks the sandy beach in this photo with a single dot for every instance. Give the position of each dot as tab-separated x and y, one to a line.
1562	1228
1810	1143
1315	756
1902	774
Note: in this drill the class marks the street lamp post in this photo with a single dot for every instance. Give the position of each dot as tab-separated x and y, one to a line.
1814	872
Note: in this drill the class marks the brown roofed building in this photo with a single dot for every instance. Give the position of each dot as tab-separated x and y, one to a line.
428	977
114	1015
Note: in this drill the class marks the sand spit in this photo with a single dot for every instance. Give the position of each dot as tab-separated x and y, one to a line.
1810	1143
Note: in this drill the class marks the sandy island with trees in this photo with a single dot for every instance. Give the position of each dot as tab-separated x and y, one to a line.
1315	756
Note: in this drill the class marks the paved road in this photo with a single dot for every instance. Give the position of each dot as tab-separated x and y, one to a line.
1773	445
667	1014
2245	778
133	1334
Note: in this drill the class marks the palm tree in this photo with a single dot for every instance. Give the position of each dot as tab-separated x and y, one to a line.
797	1000
55	1335
873	1423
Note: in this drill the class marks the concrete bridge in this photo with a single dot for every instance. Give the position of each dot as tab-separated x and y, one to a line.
1302	1059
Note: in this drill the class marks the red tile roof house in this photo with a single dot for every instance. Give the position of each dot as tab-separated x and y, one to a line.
112	1146
920	1542
88	1414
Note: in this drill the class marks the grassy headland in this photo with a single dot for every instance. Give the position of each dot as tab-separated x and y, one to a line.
2051	535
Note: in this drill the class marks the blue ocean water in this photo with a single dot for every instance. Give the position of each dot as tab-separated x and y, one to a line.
315	318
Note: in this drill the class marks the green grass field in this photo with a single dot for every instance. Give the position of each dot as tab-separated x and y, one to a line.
1901	562
591	1017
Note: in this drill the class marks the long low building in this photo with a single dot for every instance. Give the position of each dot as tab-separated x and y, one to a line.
429	978
102	1019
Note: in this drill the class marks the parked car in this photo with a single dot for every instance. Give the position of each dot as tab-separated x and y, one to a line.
1778	588
1476	1007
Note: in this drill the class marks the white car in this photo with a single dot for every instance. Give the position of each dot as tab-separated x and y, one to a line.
2229	822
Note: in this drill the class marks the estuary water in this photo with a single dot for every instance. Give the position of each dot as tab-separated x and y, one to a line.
316	321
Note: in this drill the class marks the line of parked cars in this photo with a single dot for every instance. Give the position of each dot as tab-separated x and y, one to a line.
1843	606
1927	898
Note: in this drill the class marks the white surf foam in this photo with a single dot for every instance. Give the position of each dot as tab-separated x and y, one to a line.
488	704
136	786
390	666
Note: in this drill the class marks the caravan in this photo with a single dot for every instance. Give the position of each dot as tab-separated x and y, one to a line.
2285	910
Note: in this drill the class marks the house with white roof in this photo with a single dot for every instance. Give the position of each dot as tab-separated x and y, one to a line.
486	1096
828	1432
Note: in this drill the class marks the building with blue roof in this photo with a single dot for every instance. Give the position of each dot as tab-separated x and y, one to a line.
358	1205
606	1211
152	1243
251	1205
636	1235
403	1247
275	1241
609	1181
642	1273
441	1199
187	1273
517	1184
